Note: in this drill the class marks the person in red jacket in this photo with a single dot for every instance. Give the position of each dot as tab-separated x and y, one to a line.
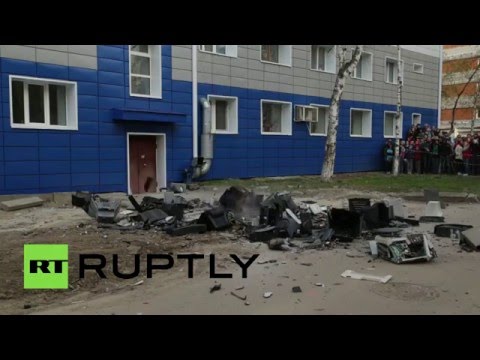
467	156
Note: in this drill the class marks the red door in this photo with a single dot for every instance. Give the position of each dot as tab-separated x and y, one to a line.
143	163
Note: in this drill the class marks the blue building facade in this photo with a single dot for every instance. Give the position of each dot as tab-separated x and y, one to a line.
94	153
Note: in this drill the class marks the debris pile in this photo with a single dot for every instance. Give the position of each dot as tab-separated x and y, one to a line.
279	222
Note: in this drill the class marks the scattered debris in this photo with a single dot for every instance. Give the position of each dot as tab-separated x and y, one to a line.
360	276
296	289
215	287
178	187
138	283
433	195
27	306
240	288
320	284
193	186
411	248
306	264
246	303
238	296
267	294
471	239
23	203
444	230
433	209
373	248
354	256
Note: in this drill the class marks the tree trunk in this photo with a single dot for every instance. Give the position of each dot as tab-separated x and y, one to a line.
346	69
459	95
398	114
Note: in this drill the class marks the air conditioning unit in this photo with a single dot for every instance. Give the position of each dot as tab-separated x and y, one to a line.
306	113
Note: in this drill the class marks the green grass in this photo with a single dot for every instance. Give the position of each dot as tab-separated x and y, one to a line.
363	181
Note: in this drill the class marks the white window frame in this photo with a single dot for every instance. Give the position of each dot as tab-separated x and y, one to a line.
230	50
416	114
369	135
421	68
155	56
71	103
326	120
395	80
401	124
232	115
354	75
289	56
333	70
286	117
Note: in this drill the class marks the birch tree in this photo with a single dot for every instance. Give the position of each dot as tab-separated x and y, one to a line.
346	69
398	114
457	88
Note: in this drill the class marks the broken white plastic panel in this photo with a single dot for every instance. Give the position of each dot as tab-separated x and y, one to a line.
373	248
316	209
359	276
434	209
293	216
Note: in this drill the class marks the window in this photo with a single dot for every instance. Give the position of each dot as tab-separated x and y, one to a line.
364	67
389	124
361	122
324	58
319	127
146	71
278	54
416	119
224	110
418	68
227	50
391	70
276	117
43	103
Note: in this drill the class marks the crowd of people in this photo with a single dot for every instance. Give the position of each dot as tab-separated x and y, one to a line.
427	151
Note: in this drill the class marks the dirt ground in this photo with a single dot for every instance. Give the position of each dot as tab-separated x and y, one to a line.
448	285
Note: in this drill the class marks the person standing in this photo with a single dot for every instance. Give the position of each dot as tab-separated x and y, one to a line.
459	156
388	156
418	157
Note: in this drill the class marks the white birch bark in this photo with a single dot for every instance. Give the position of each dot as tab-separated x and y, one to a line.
398	114
346	69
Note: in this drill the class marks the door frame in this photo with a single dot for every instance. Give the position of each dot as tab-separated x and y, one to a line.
160	158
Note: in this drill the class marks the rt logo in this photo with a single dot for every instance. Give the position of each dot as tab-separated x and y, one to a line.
45	266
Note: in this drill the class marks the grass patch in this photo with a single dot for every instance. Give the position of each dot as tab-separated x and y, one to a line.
363	181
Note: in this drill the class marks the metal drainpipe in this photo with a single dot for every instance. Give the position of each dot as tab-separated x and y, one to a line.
206	141
194	102
440	82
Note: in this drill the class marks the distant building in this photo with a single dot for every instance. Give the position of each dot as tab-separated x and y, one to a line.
459	61
133	118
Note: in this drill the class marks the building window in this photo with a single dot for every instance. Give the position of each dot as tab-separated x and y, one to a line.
361	123
389	124
320	127
227	50
364	67
323	58
224	110
146	70
276	117
416	119
43	103
418	68
277	54
391	70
